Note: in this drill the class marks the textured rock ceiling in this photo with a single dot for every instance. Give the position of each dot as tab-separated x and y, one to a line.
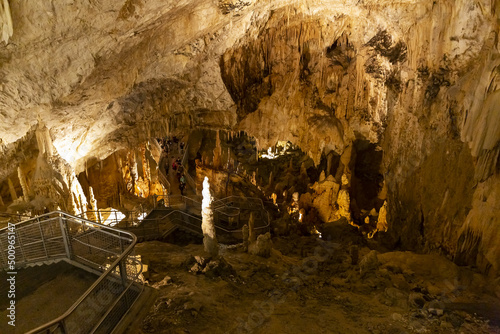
89	69
418	78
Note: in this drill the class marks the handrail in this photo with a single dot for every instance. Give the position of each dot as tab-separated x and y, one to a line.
163	179
219	207
111	269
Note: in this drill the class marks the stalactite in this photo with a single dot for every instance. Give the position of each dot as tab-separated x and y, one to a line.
6	26
217	152
24	185
44	140
12	190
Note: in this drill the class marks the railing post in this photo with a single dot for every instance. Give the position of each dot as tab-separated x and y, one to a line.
65	236
64	330
123	274
43	240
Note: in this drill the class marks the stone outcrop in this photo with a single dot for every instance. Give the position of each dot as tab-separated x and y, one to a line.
262	246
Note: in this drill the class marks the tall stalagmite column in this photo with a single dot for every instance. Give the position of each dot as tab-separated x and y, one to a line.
207	223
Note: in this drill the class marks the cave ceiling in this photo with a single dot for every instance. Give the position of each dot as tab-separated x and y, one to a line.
97	72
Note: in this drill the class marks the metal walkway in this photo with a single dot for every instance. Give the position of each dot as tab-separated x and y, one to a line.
106	251
170	213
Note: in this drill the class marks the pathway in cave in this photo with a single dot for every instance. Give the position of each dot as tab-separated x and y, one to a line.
172	178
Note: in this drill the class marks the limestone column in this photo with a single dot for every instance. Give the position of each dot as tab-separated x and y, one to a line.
207	222
1	201
145	164
344	201
12	190
217	152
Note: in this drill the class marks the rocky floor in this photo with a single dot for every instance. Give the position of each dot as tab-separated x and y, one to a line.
311	286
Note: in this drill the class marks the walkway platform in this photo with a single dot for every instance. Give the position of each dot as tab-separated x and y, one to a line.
43	293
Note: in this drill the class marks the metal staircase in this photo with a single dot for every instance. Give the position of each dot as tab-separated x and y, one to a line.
109	252
170	213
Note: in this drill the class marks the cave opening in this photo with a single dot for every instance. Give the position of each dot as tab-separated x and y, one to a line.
367	180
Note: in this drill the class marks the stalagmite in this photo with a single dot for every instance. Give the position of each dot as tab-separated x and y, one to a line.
207	224
382	218
344	201
145	164
251	231
24	185
329	163
73	205
12	190
1	201
92	213
246	233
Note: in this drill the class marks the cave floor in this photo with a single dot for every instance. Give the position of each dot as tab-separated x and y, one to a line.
310	286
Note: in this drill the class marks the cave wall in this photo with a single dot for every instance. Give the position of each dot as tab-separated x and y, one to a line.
417	79
424	91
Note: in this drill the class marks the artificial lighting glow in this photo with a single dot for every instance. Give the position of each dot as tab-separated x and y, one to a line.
111	216
142	216
270	154
280	149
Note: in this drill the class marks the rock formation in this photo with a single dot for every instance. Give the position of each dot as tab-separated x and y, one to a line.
418	79
207	225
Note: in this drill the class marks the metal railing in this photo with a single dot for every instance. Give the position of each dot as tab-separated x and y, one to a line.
230	214
111	218
228	217
99	248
